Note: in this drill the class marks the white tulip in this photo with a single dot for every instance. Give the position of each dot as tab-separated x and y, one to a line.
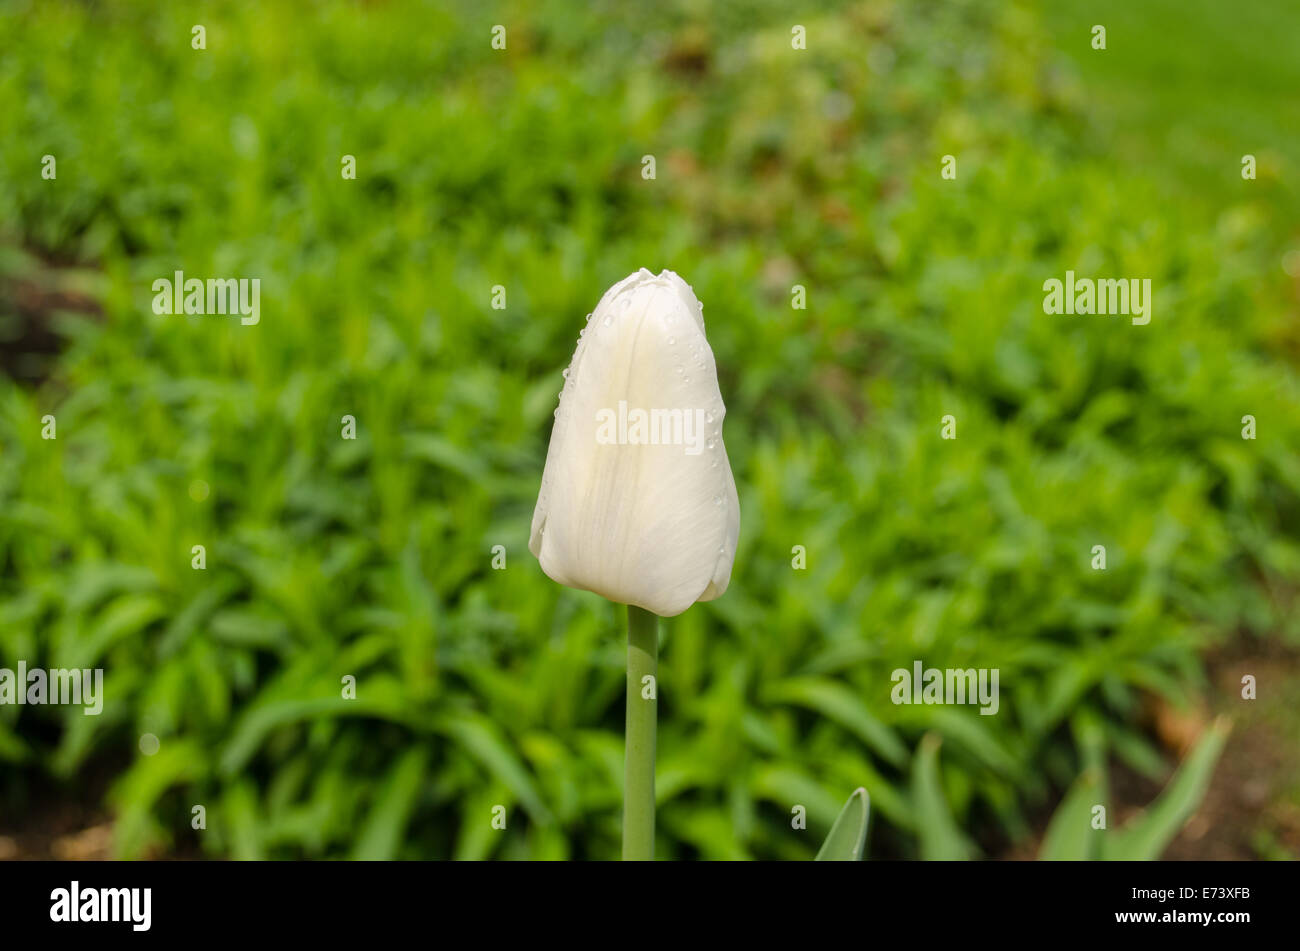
638	502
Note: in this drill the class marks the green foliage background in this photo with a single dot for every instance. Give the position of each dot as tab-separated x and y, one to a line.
522	167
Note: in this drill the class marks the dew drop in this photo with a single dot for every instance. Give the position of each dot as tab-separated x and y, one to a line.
711	444
708	417
671	341
679	368
717	500
565	373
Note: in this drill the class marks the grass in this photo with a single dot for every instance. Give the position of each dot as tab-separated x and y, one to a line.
371	558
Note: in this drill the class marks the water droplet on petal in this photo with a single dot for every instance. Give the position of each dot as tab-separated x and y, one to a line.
711	444
708	417
679	368
565	373
671	341
717	500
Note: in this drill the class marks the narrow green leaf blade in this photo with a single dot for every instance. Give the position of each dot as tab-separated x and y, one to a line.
1070	836
941	839
381	835
1147	836
848	836
481	739
840	704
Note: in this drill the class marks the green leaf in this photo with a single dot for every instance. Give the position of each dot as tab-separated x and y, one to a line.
135	794
1070	835
445	454
12	747
477	736
381	836
970	732
940	837
836	702
848	836
1147	836
784	785
380	696
126	616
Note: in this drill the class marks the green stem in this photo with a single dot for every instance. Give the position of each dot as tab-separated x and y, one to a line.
639	774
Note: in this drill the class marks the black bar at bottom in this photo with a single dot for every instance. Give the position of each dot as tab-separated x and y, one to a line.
333	900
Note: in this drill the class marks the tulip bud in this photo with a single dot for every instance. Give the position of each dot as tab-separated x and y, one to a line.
638	502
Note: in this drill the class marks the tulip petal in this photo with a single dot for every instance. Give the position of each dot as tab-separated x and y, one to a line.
651	516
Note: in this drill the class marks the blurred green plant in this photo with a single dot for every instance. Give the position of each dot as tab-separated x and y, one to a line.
1073	833
1073	836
